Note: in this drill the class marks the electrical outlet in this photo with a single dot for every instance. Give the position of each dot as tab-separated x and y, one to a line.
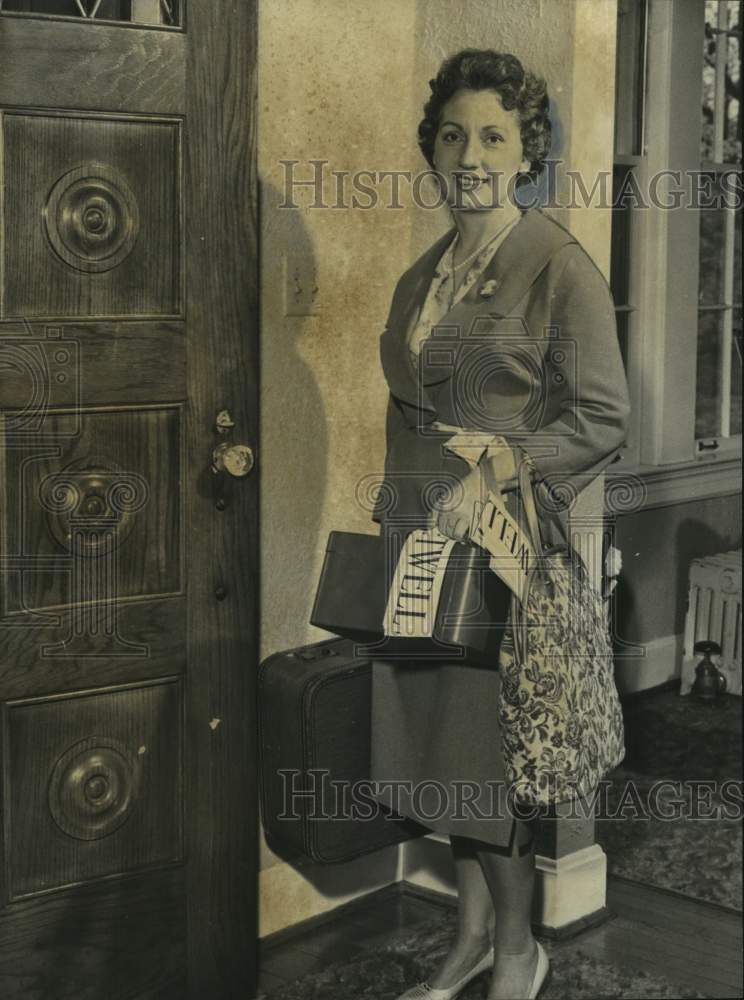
300	286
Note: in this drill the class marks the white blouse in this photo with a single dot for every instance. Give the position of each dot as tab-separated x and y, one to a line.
470	445
442	297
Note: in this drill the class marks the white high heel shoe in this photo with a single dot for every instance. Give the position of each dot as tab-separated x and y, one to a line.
541	972
422	991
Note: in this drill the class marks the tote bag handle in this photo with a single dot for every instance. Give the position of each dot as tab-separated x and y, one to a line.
540	567
526	492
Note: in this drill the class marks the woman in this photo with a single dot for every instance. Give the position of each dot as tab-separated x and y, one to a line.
500	341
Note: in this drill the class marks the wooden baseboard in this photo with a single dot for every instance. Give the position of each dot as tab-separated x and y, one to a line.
679	896
292	931
445	900
573	929
661	663
291	893
634	696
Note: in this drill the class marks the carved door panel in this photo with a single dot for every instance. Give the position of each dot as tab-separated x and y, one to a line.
128	555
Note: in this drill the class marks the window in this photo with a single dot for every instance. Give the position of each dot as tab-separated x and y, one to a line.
630	88
676	241
718	388
165	13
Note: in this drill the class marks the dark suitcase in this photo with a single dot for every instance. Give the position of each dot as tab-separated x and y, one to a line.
472	612
314	728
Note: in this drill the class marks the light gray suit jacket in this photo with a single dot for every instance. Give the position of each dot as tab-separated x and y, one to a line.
530	353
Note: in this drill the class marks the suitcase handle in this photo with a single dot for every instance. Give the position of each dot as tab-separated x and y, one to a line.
314	653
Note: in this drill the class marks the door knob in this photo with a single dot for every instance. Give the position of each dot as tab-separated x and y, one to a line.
235	459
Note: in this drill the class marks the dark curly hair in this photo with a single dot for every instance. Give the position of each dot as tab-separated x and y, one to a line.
485	69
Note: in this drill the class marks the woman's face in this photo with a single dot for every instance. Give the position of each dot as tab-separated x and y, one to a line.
478	151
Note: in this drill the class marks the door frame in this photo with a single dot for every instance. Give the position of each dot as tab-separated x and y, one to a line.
222	544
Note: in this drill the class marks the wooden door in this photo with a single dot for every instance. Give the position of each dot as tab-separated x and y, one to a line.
128	322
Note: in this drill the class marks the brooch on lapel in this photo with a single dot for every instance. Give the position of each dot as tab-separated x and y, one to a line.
488	289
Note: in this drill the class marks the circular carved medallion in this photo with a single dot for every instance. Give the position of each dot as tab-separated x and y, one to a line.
93	788
91	505
92	218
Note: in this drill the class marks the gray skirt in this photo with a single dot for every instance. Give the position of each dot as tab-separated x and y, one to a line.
436	748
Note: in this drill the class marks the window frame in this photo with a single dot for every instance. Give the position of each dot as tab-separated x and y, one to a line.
662	447
170	15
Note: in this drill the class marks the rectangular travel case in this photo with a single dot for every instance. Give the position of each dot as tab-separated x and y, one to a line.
314	708
352	594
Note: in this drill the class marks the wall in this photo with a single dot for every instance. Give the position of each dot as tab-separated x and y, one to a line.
346	80
571	43
539	33
658	546
335	84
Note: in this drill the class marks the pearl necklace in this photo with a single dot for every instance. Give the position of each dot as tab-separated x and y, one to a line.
456	267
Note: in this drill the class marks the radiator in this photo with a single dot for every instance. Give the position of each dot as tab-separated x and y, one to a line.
714	612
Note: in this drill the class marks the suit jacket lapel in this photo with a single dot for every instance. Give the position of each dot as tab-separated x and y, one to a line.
515	265
407	302
505	281
512	270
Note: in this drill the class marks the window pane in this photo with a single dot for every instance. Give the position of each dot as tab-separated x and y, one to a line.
707	402
622	317
620	255
709	78
712	254
630	73
713	288
737	258
732	127
712	242
719	372
108	9
143	11
736	375
722	98
67	8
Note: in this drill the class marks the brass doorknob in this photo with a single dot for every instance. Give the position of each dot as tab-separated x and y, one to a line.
235	459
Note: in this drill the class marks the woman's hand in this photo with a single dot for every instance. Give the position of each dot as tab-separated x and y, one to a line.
456	521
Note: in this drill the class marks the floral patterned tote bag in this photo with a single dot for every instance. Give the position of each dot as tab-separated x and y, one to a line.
560	715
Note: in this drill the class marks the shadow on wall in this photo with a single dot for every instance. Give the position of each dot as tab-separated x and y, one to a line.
658	546
545	189
294	437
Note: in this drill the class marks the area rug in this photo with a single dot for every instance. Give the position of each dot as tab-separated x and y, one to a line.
383	973
693	749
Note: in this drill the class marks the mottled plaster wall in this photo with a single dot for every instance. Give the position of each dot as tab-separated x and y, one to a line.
335	84
345	80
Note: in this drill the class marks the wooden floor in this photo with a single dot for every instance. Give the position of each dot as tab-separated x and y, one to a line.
650	930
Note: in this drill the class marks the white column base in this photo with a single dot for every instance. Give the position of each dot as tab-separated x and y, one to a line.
570	889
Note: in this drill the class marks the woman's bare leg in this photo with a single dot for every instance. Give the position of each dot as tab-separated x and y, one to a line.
475	916
511	881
